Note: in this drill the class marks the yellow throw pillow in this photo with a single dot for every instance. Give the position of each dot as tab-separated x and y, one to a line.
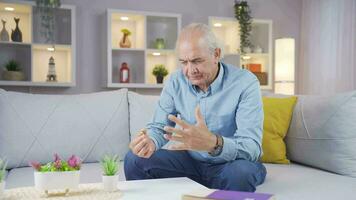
277	116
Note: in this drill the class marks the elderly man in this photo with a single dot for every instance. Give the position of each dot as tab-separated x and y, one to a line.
218	110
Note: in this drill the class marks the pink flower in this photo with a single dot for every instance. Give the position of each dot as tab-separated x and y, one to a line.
56	157
58	164
74	161
35	165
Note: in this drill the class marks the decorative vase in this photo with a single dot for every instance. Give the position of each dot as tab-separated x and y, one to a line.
125	41
16	35
110	183
13	75
246	50
159	79
124	73
2	188
4	35
67	180
159	44
257	49
51	75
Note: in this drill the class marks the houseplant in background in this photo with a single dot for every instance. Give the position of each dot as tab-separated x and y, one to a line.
59	174
3	164
159	71
125	41
13	72
46	10
243	15
110	166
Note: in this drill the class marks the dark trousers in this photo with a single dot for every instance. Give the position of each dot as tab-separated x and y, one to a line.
241	175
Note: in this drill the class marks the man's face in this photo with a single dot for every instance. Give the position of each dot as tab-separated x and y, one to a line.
199	65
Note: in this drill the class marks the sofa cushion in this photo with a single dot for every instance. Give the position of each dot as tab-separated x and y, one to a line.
89	173
322	133
34	127
296	182
141	108
277	115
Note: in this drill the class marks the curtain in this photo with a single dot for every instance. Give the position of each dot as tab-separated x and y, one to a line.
328	47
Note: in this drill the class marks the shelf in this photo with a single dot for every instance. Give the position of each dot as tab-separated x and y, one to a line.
227	31
18	52
167	58
63	66
127	49
16	43
134	23
145	27
32	53
19	11
135	61
62	27
162	27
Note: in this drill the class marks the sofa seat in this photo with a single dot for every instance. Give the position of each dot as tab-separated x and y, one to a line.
296	182
89	173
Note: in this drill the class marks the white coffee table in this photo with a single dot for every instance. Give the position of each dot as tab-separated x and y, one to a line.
157	189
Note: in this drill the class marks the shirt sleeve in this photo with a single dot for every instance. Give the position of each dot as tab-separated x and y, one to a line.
247	140
160	119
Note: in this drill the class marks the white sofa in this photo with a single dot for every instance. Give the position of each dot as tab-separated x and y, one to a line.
34	127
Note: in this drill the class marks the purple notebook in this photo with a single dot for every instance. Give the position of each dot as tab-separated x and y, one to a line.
234	195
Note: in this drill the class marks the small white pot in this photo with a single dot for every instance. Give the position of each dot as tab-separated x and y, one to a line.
110	183
2	188
57	180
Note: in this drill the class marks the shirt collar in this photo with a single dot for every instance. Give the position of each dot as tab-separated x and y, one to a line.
214	86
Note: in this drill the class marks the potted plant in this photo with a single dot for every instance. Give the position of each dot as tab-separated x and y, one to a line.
125	41
59	174
159	71
46	10
12	72
110	166
243	15
3	165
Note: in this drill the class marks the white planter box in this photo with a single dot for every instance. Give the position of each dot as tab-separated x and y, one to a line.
57	180
110	183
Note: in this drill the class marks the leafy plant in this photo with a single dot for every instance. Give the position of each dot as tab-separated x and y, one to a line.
160	70
46	9
58	165
3	164
243	15
12	65
126	31
110	164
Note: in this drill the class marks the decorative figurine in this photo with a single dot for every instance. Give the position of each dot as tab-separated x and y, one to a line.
4	35
16	35
124	73
51	76
125	41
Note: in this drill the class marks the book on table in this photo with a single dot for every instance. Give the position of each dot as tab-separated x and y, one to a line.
210	194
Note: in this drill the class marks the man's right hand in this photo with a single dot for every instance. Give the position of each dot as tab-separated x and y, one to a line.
142	146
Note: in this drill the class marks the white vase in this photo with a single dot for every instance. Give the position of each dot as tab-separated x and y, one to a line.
57	180
110	183
2	188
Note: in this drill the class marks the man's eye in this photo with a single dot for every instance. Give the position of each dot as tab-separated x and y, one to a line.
183	62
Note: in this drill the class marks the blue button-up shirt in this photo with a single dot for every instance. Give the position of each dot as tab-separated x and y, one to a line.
232	107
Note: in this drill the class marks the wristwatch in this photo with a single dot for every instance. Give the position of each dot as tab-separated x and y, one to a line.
218	146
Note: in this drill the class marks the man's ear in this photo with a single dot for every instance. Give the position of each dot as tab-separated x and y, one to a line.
217	54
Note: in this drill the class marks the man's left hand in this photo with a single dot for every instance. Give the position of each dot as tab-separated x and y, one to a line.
191	137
